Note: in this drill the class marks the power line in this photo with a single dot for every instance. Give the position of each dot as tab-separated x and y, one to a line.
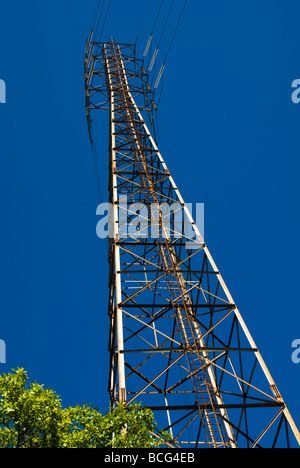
166	22
99	20
153	29
157	16
105	20
170	46
176	29
95	17
142	21
161	36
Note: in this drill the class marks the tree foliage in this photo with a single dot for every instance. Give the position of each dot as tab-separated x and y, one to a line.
33	417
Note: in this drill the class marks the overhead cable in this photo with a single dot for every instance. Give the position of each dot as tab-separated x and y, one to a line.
161	36
176	29
153	29
100	17
107	11
170	46
95	17
142	20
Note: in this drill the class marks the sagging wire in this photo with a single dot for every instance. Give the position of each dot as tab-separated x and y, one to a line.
100	17
170	46
161	36
107	11
153	29
95	17
142	21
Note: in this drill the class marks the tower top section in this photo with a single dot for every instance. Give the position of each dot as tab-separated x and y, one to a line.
97	83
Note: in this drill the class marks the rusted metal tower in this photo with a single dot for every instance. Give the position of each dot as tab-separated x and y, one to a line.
177	340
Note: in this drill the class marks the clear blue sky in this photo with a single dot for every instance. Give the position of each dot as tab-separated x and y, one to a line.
229	133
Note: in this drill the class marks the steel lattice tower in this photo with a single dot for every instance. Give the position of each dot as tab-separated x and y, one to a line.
177	341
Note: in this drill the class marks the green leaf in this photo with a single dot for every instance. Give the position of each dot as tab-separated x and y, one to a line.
32	417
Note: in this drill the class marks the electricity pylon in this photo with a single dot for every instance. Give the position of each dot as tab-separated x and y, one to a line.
177	341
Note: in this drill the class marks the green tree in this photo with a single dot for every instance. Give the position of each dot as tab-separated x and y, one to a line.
32	417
